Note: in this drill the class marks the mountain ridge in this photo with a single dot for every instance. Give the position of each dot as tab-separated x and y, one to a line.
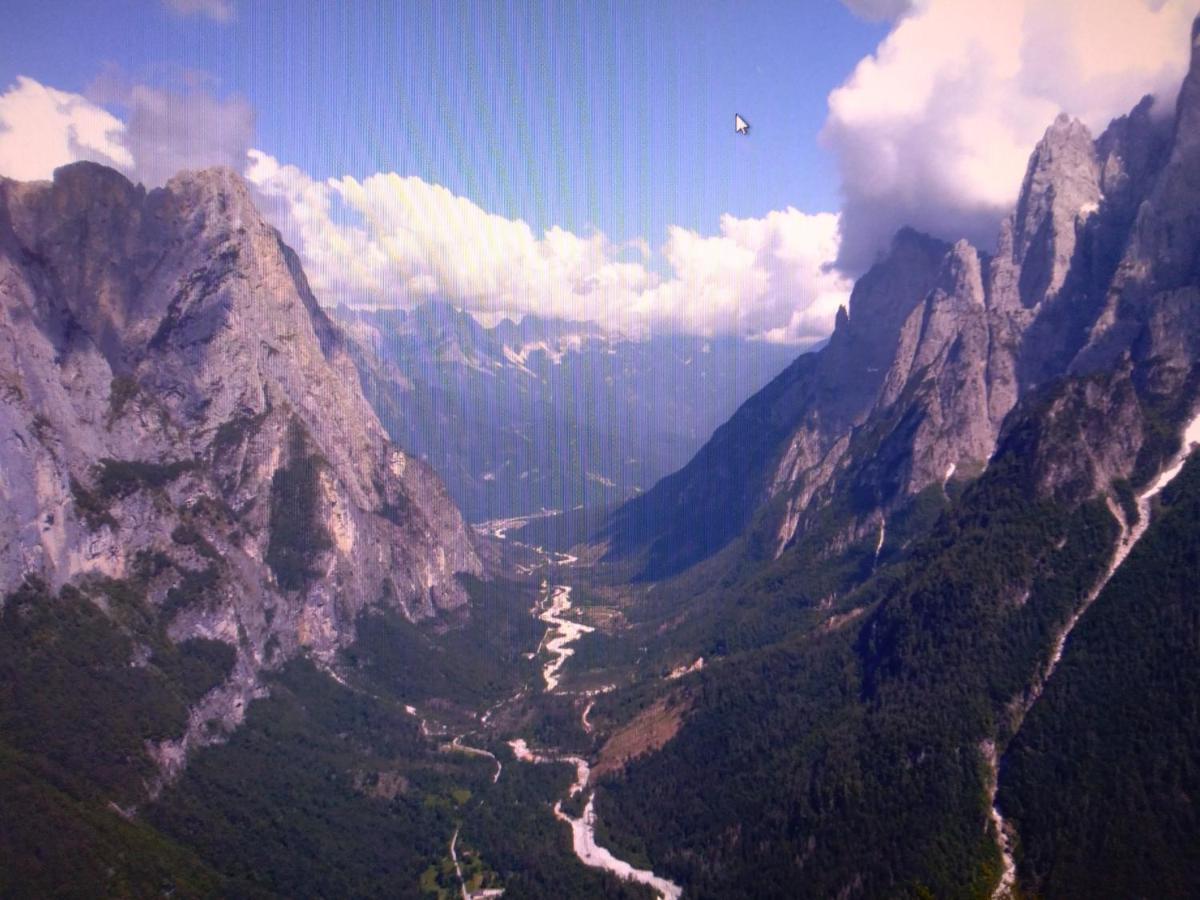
566	414
881	699
185	422
976	333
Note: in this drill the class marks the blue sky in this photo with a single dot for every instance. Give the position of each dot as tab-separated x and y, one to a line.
612	115
577	159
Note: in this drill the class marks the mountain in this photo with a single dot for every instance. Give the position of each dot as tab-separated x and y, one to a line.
788	435
948	636
561	414
919	620
937	347
185	436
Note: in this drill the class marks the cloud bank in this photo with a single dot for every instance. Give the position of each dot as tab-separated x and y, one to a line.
932	130
42	128
390	240
395	241
167	132
935	128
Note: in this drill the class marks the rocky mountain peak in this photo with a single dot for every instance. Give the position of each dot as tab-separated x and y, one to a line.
1128	152
841	319
82	185
1170	239
181	412
884	297
940	343
217	184
1151	308
962	277
1061	189
216	203
1187	110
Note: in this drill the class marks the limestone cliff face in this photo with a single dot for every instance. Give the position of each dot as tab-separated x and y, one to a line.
1150	308
1096	272
176	407
1068	292
787	441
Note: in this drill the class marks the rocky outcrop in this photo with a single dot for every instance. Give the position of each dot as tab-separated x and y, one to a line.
787	440
1150	308
1097	263
177	411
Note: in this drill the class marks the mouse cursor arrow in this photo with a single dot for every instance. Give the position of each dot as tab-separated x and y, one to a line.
740	125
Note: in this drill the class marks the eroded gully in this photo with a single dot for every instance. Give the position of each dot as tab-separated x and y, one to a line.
1129	536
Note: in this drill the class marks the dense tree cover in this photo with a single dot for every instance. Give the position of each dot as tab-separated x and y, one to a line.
744	598
530	850
554	722
817	755
81	692
297	534
323	791
292	805
469	661
295	805
852	758
1103	780
117	478
59	837
72	691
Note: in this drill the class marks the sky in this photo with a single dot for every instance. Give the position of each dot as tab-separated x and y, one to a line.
578	159
610	115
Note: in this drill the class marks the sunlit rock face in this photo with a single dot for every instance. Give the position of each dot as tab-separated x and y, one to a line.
1098	261
177	409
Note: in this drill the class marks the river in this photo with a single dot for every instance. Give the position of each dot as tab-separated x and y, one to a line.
560	634
565	632
583	828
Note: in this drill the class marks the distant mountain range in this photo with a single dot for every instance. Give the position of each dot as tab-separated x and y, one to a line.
548	414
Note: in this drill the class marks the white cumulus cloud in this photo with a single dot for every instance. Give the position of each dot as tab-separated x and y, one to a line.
218	10
390	240
771	277
164	132
42	128
935	128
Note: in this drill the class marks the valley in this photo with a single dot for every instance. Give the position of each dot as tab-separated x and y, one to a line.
645	403
570	694
362	541
554	650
